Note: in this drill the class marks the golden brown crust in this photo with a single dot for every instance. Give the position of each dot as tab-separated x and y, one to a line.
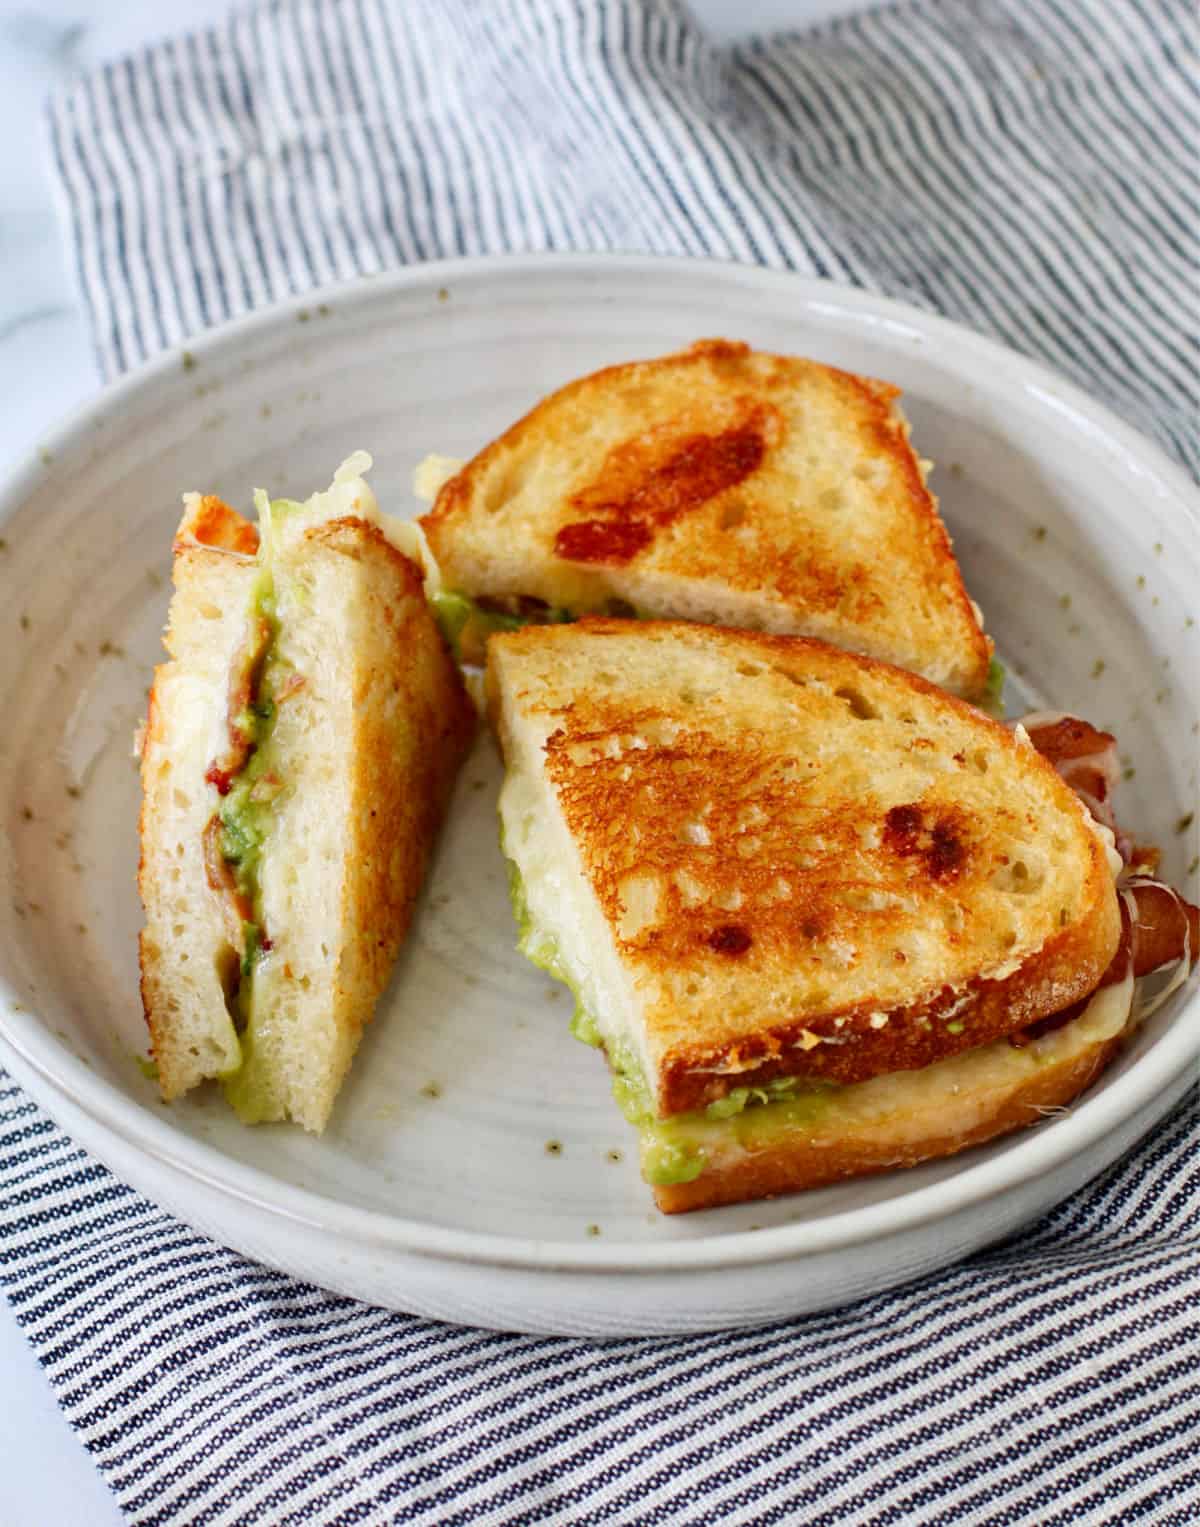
794	1163
811	864
151	736
728	467
211	522
915	1035
397	802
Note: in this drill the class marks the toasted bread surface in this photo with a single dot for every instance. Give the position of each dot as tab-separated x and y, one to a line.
370	745
807	863
727	486
909	1118
370	729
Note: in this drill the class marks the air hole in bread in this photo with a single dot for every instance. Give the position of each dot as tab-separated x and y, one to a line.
1008	938
749	670
979	761
792	678
691	988
690	889
1017	878
606	678
832	500
639	901
505	485
687	697
209	611
181	800
860	706
872	472
733	515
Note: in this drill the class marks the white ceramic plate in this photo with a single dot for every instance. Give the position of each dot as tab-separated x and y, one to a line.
1077	537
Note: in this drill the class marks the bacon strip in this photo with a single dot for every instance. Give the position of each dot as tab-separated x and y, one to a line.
244	676
235	905
1163	926
1165	923
1085	758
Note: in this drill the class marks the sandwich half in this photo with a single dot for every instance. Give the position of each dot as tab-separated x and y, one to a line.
720	485
298	754
822	918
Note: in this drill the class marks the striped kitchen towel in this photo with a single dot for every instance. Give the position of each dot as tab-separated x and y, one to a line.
1028	168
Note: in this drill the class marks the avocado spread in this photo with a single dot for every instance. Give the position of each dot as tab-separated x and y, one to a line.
993	694
467	625
672	1149
245	810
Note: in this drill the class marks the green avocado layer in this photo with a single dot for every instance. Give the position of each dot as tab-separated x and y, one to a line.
247	816
993	694
460	616
673	1149
455	613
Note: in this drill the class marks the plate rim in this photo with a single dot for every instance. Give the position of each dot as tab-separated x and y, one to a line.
1035	1153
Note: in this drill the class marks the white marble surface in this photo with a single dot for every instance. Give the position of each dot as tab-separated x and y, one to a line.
48	370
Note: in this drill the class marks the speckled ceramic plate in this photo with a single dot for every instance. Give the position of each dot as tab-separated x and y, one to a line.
476	1168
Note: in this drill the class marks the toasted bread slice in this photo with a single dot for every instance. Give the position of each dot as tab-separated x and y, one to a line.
725	486
898	1120
760	857
370	722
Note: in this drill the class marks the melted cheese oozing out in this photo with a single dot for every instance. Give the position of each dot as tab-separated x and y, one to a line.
431	475
560	902
350	496
1115	863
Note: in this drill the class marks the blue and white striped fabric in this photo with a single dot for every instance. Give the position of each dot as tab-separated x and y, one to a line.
1028	168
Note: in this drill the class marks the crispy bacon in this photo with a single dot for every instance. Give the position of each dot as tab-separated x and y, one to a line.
1158	927
235	904
244	676
1164	925
1085	758
1161	928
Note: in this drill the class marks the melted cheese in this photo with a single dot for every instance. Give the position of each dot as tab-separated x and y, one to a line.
561	904
350	496
952	1096
432	474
